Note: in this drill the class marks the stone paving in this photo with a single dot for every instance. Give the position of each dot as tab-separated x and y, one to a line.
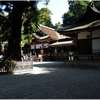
51	80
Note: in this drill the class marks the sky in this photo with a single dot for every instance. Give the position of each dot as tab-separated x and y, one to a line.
57	7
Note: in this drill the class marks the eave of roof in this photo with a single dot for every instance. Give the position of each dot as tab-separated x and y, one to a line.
40	38
81	26
54	35
89	21
49	31
63	43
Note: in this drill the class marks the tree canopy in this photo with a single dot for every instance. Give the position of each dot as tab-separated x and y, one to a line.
76	10
45	17
58	25
21	14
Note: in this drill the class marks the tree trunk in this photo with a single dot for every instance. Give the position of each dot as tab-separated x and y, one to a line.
14	43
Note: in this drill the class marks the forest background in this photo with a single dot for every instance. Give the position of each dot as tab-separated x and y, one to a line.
22	18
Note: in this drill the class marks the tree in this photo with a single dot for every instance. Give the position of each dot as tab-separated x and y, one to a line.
17	8
68	18
58	25
5	26
45	17
76	10
31	20
97	4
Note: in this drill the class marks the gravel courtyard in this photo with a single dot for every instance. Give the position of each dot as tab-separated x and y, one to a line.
51	80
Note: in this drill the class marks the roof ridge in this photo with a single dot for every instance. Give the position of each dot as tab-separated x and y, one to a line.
46	27
90	14
93	8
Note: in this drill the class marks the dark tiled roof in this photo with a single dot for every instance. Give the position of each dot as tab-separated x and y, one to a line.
91	14
81	26
89	21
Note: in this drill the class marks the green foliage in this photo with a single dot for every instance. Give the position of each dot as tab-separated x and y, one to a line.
29	24
30	19
45	17
76	10
5	27
97	4
13	26
26	38
58	25
68	18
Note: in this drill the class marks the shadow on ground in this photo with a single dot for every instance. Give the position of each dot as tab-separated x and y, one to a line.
51	82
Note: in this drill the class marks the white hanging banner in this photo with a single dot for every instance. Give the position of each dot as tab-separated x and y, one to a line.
45	45
32	46
38	46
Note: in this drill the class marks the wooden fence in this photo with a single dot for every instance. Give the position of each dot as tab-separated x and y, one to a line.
22	65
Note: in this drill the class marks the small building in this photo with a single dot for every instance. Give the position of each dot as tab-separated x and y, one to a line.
86	33
54	46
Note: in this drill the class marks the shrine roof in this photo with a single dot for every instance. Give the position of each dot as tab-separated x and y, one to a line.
80	27
54	35
89	21
40	37
90	15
